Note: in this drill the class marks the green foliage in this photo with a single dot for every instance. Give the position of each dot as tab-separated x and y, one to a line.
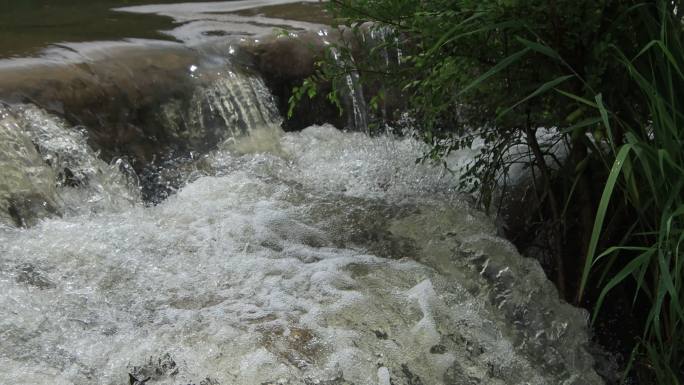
608	74
648	175
488	65
308	88
334	67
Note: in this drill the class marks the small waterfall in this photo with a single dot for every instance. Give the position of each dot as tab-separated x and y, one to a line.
47	167
227	103
354	99
381	44
380	35
400	55
238	103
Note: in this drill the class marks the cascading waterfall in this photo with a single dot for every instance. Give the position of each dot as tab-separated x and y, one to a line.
312	257
227	102
241	102
22	173
380	35
353	93
48	167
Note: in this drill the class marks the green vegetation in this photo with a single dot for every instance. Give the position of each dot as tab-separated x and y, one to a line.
608	75
647	177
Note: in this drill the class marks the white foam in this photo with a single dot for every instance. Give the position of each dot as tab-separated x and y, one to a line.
48	166
264	271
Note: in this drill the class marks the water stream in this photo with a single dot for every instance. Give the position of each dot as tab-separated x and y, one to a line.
314	257
328	258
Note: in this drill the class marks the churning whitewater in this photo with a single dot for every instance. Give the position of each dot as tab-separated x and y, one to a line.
318	257
158	227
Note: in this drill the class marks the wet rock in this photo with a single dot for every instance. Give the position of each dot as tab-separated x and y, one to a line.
163	367
411	378
111	94
145	100
438	349
31	275
303	50
380	334
132	380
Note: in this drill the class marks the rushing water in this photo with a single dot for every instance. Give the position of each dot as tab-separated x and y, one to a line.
312	257
46	167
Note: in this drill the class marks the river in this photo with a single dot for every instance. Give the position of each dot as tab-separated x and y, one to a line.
179	236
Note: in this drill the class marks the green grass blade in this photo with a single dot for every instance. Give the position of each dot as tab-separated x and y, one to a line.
604	118
542	89
633	266
577	98
540	48
584	123
600	215
494	70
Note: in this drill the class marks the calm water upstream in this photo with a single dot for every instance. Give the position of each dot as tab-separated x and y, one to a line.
26	26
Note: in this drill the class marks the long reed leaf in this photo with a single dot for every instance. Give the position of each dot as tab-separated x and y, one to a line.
600	215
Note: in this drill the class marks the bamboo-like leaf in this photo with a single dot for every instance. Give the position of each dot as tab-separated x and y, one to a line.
448	36
664	50
627	271
584	123
542	89
668	284
469	32
541	48
600	215
494	70
577	98
614	249
604	118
